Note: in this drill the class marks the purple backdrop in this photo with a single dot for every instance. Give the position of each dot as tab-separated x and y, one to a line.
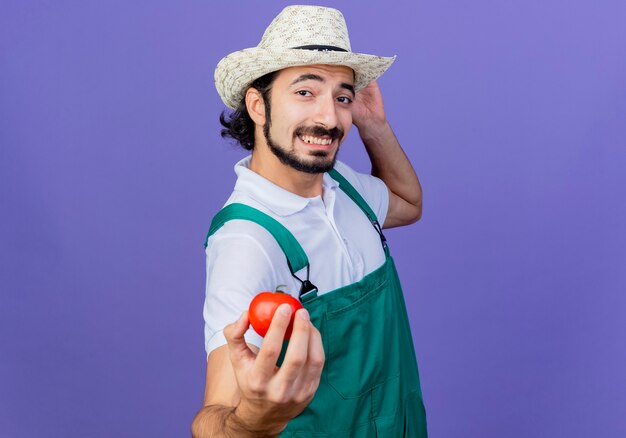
111	166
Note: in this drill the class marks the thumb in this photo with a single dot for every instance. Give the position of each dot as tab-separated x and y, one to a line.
237	346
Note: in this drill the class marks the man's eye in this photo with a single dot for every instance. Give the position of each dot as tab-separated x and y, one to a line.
304	93
344	99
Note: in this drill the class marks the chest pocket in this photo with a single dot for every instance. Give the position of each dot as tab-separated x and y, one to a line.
360	341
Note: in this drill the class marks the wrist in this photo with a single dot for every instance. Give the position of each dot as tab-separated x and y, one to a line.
374	131
247	424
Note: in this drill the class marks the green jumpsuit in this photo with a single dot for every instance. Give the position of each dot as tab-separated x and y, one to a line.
370	384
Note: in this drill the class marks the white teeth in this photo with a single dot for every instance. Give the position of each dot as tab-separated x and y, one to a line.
314	140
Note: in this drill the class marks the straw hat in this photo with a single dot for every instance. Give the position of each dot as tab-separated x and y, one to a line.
299	35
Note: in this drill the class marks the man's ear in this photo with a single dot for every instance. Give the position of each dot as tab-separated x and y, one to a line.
255	106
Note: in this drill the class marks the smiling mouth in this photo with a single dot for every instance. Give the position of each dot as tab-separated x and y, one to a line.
317	141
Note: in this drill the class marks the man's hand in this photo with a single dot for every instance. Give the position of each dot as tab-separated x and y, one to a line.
389	162
368	110
271	396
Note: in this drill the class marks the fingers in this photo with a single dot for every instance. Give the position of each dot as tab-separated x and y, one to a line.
316	359
234	334
316	351
265	364
297	351
301	370
295	382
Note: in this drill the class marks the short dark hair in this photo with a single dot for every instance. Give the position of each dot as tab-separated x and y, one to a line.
238	125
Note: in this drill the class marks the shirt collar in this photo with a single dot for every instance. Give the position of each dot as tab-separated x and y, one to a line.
280	201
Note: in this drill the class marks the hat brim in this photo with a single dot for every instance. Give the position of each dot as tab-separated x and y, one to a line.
236	72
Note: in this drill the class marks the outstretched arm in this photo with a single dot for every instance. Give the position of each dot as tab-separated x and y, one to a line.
389	162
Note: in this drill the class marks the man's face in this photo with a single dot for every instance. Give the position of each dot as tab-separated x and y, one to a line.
310	115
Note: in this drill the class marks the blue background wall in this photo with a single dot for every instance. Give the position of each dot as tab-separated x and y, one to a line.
111	166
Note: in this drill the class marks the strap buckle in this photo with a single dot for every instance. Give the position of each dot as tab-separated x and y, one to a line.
308	290
379	230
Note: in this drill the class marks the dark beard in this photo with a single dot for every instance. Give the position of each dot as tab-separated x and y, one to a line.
319	163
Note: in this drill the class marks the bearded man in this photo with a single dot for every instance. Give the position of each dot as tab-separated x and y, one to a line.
300	218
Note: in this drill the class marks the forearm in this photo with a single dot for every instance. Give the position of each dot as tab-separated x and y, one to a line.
390	163
218	421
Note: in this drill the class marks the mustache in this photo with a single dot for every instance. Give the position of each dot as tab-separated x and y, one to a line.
318	131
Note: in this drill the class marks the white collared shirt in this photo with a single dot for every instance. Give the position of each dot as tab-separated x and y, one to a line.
243	259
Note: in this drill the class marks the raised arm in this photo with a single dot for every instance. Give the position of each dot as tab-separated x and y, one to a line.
389	162
246	394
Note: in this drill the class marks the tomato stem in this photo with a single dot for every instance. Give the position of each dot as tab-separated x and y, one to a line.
278	290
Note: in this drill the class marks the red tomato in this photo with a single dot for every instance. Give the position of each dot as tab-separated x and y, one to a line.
264	305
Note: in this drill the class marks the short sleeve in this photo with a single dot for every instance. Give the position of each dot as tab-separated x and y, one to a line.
371	188
238	267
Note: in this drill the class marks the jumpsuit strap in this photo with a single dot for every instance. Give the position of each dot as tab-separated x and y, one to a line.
352	193
296	257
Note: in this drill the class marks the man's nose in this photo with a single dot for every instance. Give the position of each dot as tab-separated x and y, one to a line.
326	112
